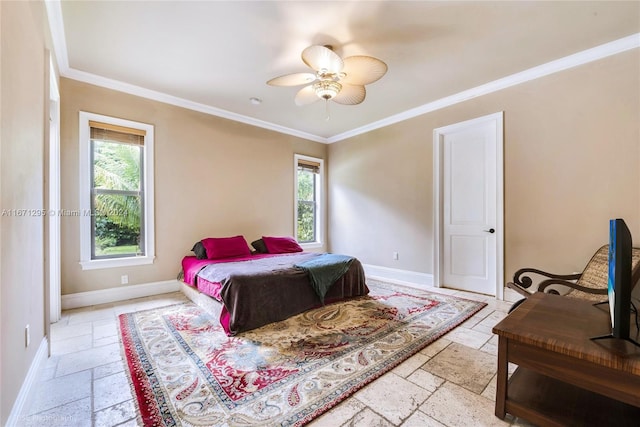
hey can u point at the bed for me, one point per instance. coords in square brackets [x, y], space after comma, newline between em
[257, 289]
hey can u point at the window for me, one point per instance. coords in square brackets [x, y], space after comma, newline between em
[308, 197]
[116, 192]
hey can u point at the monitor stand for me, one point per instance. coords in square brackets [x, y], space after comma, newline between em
[602, 337]
[611, 335]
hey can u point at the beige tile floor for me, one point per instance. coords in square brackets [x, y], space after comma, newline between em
[449, 383]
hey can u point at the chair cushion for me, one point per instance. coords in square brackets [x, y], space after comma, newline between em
[596, 274]
[575, 293]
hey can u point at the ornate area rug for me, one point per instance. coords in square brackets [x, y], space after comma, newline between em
[185, 371]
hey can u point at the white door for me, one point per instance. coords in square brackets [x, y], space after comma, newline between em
[470, 205]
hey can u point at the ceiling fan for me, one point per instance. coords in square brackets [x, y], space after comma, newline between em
[334, 78]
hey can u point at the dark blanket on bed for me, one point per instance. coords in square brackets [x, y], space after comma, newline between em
[219, 273]
[324, 270]
[267, 290]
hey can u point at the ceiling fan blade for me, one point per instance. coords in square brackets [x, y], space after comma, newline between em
[350, 95]
[362, 70]
[294, 79]
[305, 96]
[322, 58]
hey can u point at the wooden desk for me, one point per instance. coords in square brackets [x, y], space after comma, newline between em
[563, 377]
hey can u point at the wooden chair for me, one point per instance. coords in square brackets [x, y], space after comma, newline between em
[591, 284]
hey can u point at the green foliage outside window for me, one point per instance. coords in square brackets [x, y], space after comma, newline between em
[306, 206]
[117, 201]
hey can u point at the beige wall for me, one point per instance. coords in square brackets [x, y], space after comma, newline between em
[571, 149]
[24, 94]
[213, 177]
[217, 177]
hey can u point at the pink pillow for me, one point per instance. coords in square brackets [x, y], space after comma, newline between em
[281, 245]
[226, 247]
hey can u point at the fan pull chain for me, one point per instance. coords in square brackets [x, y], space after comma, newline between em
[326, 104]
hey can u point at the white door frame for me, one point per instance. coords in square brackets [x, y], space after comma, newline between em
[438, 171]
[55, 304]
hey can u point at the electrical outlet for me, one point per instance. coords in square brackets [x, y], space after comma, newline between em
[395, 256]
[27, 336]
[124, 279]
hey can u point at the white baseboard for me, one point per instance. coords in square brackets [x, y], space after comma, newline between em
[103, 296]
[16, 417]
[402, 277]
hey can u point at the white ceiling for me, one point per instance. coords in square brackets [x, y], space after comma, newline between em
[213, 56]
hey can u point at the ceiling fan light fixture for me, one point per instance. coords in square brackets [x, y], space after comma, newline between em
[334, 79]
[327, 89]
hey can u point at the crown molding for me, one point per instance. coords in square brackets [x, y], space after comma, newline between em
[180, 102]
[56, 24]
[56, 27]
[580, 58]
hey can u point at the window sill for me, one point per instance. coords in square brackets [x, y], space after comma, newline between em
[312, 245]
[96, 264]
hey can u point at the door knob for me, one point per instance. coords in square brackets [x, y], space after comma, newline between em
[491, 230]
